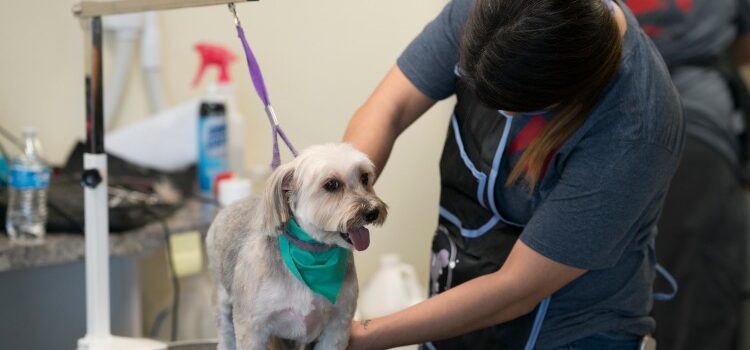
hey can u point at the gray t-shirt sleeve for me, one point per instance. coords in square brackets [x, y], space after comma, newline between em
[429, 60]
[601, 181]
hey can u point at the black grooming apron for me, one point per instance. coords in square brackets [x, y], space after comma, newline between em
[473, 239]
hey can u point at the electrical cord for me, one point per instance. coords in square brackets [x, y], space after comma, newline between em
[175, 282]
[172, 272]
[170, 264]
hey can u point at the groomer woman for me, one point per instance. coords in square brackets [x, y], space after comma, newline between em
[557, 159]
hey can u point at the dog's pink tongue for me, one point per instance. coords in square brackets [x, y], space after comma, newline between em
[360, 237]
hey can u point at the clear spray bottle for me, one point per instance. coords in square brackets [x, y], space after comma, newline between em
[221, 128]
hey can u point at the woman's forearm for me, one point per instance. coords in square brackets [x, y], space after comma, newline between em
[479, 303]
[525, 279]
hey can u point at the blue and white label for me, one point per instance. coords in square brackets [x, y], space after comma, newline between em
[212, 151]
[29, 178]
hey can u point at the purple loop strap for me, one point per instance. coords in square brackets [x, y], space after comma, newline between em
[260, 87]
[252, 64]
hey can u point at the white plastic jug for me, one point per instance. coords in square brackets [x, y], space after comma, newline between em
[394, 287]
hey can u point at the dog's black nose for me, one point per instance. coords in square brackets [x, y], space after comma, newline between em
[372, 215]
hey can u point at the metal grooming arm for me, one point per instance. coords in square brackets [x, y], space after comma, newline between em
[88, 9]
[94, 181]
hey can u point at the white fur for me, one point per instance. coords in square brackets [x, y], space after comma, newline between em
[259, 299]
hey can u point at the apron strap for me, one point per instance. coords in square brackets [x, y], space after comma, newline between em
[537, 327]
[661, 270]
[672, 282]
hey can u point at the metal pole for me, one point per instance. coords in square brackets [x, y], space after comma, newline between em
[95, 191]
[94, 90]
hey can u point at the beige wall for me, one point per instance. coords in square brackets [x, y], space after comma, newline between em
[321, 59]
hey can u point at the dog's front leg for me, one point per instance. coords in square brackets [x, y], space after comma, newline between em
[251, 337]
[224, 319]
[251, 334]
[335, 335]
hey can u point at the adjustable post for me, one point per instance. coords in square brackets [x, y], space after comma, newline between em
[95, 191]
[94, 181]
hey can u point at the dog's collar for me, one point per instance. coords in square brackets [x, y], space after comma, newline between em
[297, 236]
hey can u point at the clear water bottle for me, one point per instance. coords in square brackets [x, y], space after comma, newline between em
[27, 201]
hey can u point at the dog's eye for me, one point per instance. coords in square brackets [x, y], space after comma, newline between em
[365, 179]
[332, 185]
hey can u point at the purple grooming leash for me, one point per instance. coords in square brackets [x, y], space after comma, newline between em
[260, 87]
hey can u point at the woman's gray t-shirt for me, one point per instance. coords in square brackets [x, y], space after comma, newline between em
[597, 205]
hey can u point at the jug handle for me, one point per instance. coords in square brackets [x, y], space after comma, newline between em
[412, 286]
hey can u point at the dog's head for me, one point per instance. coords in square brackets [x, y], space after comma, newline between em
[328, 190]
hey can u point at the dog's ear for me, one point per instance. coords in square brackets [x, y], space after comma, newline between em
[274, 204]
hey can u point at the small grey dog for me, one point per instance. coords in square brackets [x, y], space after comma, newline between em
[328, 191]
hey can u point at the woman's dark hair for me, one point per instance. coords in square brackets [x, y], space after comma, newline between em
[528, 55]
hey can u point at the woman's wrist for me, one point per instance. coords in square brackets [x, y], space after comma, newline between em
[363, 336]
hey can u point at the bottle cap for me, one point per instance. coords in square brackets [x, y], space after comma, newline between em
[28, 131]
[390, 259]
[232, 190]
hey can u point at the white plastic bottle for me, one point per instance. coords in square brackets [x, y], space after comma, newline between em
[27, 203]
[236, 137]
[394, 287]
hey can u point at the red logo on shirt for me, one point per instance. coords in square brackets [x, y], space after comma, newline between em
[528, 133]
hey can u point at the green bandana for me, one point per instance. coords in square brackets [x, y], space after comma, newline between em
[319, 266]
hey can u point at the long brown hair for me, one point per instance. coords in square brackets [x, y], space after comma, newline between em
[527, 55]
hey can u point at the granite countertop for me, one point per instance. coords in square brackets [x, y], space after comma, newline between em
[59, 248]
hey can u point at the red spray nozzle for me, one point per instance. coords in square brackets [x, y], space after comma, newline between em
[212, 54]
